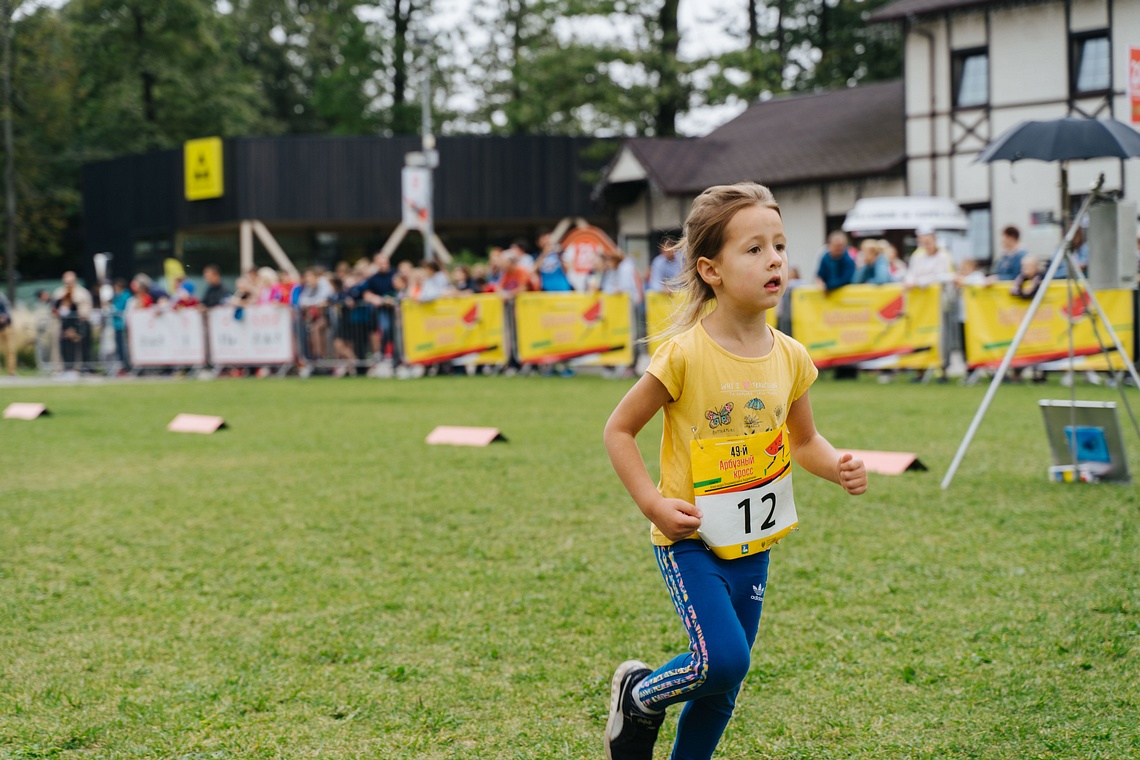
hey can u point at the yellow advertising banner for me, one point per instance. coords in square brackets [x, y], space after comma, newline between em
[659, 309]
[993, 315]
[583, 328]
[464, 330]
[862, 323]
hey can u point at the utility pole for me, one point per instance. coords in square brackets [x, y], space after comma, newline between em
[9, 162]
[431, 158]
[418, 206]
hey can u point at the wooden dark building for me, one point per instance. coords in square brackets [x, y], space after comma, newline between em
[336, 198]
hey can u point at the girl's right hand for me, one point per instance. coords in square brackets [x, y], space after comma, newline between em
[675, 518]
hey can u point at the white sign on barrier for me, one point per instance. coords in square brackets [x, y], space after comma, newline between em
[161, 338]
[251, 335]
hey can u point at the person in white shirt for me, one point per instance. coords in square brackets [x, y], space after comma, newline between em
[664, 268]
[620, 275]
[436, 285]
[316, 290]
[929, 264]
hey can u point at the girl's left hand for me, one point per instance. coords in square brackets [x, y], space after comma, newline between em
[852, 474]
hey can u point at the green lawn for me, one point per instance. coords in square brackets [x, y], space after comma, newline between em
[316, 581]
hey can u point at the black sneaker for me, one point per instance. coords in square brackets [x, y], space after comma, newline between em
[630, 732]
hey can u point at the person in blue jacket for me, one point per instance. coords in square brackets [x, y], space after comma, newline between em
[873, 268]
[1008, 266]
[836, 266]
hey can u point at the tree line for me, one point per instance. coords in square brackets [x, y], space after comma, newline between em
[95, 79]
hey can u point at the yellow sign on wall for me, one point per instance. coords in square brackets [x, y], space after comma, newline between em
[464, 330]
[202, 161]
[583, 328]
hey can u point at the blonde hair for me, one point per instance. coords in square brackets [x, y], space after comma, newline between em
[873, 245]
[703, 237]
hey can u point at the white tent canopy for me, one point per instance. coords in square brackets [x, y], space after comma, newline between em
[878, 215]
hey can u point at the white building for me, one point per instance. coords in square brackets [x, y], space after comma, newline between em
[976, 68]
[973, 69]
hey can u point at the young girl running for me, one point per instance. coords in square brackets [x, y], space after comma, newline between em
[736, 407]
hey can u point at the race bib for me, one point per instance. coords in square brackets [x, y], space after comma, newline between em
[743, 488]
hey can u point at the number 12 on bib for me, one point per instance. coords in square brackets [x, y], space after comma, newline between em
[743, 487]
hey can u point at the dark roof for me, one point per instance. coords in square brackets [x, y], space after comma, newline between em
[842, 134]
[907, 8]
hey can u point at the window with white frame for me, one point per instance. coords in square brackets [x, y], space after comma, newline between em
[979, 231]
[1090, 66]
[971, 78]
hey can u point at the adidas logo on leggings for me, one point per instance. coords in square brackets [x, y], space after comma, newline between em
[758, 593]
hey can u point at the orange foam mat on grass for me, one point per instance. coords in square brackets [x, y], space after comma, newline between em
[196, 423]
[887, 462]
[464, 436]
[24, 411]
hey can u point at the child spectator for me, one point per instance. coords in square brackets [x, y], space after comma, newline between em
[1029, 279]
[184, 295]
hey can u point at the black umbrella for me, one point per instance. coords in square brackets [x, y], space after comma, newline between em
[1064, 140]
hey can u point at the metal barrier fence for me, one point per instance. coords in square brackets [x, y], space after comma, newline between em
[73, 343]
[344, 338]
[335, 338]
[543, 329]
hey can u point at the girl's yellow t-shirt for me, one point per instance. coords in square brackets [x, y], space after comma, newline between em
[717, 394]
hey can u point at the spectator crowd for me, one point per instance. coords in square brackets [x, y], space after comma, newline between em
[877, 262]
[346, 316]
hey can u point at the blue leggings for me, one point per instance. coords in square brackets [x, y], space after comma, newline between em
[720, 602]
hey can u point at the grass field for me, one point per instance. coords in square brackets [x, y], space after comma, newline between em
[316, 581]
